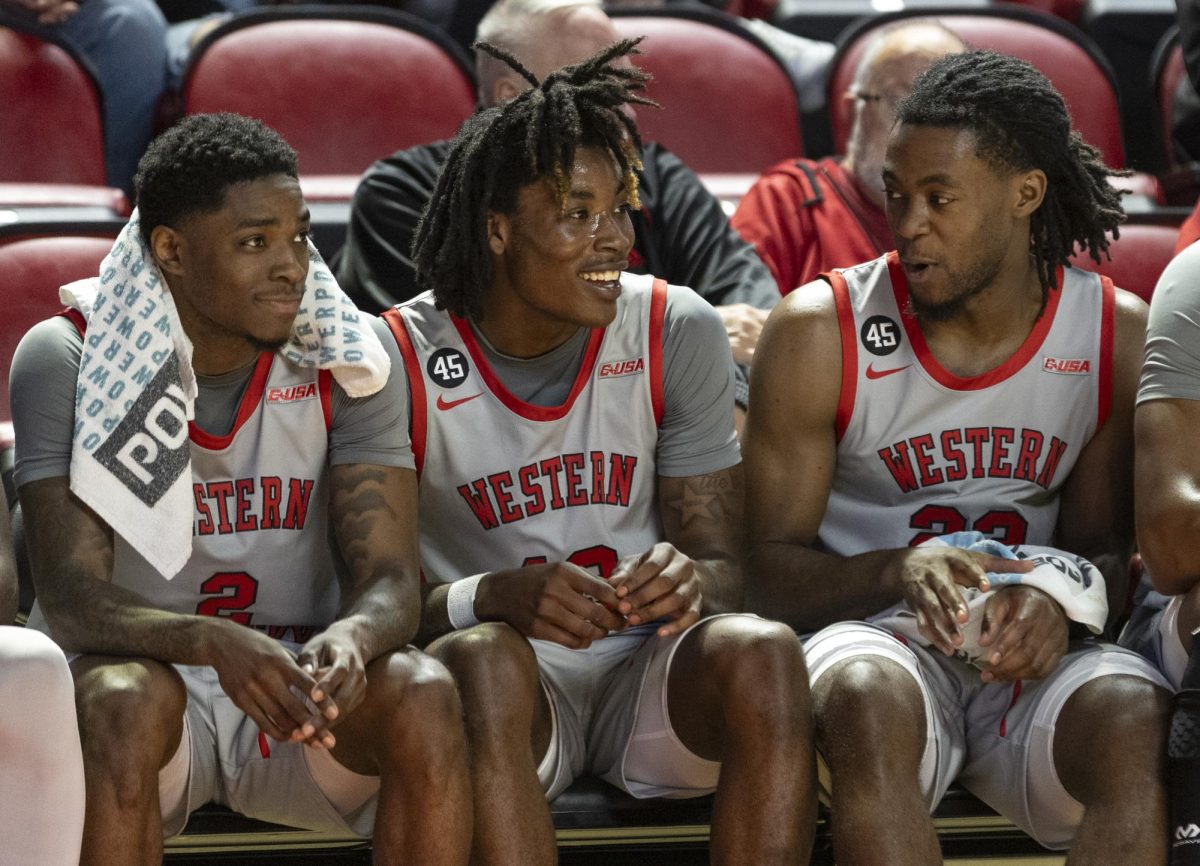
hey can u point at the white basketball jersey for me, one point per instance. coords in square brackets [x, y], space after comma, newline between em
[504, 483]
[922, 452]
[262, 553]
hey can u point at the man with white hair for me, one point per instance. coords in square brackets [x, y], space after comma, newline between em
[805, 217]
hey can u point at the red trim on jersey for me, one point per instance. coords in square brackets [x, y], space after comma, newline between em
[845, 314]
[1016, 693]
[419, 419]
[264, 747]
[512, 402]
[1107, 311]
[658, 308]
[250, 401]
[325, 389]
[940, 374]
[76, 318]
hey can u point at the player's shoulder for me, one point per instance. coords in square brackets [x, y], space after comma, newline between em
[803, 327]
[55, 337]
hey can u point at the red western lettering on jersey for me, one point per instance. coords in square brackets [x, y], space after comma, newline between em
[501, 482]
[921, 446]
[204, 526]
[951, 440]
[493, 500]
[1057, 449]
[1070, 366]
[552, 471]
[222, 492]
[977, 436]
[897, 462]
[480, 502]
[299, 489]
[1031, 447]
[620, 479]
[246, 522]
[535, 502]
[272, 488]
[573, 467]
[292, 393]
[621, 368]
[928, 460]
[1001, 466]
[250, 504]
[597, 458]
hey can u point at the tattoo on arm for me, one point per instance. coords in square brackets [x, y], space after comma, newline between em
[702, 517]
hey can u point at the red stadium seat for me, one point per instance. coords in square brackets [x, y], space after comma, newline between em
[1138, 257]
[50, 121]
[31, 271]
[728, 104]
[343, 85]
[1068, 10]
[1062, 53]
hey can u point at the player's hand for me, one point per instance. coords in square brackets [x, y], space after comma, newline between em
[262, 678]
[1025, 633]
[336, 663]
[661, 583]
[743, 324]
[554, 601]
[930, 579]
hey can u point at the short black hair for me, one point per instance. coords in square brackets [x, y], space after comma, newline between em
[188, 168]
[502, 149]
[1020, 123]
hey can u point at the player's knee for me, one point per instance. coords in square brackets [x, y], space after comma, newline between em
[423, 721]
[491, 662]
[760, 662]
[868, 699]
[129, 709]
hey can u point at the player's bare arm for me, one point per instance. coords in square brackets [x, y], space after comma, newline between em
[790, 451]
[1168, 493]
[71, 549]
[696, 571]
[373, 509]
[1096, 513]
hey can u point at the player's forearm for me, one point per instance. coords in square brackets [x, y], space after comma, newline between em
[722, 585]
[87, 615]
[379, 617]
[809, 589]
[435, 619]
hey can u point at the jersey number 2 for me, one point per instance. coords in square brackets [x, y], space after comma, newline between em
[233, 592]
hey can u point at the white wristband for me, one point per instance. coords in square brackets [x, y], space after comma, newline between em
[460, 601]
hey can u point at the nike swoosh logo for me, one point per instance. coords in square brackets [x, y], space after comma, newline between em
[444, 404]
[872, 373]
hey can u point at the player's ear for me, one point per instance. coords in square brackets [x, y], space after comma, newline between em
[165, 244]
[1030, 191]
[498, 226]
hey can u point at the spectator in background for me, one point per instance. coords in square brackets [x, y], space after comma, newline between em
[125, 42]
[682, 235]
[805, 217]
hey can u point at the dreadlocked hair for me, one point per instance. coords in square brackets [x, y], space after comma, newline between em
[1020, 123]
[500, 150]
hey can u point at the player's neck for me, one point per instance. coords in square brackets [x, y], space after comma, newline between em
[990, 328]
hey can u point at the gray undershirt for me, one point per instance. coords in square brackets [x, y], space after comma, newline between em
[1172, 366]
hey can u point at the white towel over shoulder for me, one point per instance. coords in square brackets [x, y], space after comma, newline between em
[136, 391]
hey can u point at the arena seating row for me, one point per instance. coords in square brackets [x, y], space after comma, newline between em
[375, 80]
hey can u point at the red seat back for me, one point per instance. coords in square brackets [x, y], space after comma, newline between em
[1138, 257]
[1063, 54]
[31, 271]
[50, 126]
[728, 105]
[343, 91]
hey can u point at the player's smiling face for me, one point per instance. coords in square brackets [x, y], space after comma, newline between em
[556, 265]
[959, 223]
